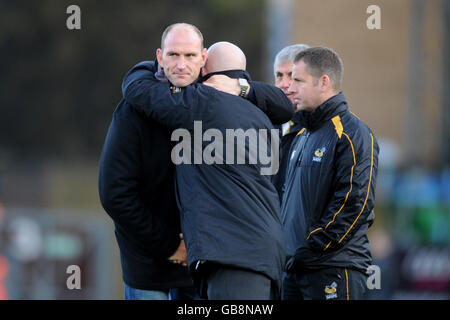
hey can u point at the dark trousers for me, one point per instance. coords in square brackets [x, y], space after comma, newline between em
[224, 283]
[324, 284]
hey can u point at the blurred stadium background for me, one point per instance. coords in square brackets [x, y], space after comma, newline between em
[59, 88]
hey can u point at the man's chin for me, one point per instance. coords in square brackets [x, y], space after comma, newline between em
[180, 82]
[297, 106]
[305, 108]
[291, 99]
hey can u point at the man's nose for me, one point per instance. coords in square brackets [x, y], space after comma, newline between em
[285, 82]
[291, 88]
[181, 63]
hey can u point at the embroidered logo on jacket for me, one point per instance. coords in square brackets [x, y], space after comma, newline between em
[175, 89]
[318, 154]
[331, 291]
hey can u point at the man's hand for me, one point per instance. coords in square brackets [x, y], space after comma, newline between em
[223, 83]
[180, 256]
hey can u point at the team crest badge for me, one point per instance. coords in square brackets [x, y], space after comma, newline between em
[175, 89]
[318, 154]
[331, 291]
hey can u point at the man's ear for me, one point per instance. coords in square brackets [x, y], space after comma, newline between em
[159, 54]
[204, 55]
[325, 83]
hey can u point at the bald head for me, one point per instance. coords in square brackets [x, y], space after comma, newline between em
[222, 56]
[181, 27]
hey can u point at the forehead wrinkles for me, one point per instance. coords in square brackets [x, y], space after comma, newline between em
[284, 67]
[183, 39]
[182, 48]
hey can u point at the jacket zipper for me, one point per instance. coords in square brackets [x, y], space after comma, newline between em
[291, 166]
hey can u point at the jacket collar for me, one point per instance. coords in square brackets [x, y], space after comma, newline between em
[313, 120]
[230, 73]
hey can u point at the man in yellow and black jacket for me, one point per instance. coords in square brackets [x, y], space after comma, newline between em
[329, 184]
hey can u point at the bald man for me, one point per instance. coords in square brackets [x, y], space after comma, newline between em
[225, 60]
[229, 208]
[222, 56]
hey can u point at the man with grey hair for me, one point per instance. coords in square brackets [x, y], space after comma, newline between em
[329, 193]
[282, 68]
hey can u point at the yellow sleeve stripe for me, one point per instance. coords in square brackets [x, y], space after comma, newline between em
[338, 125]
[312, 232]
[355, 115]
[346, 283]
[351, 182]
[367, 196]
[301, 131]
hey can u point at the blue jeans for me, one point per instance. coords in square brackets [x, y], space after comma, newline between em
[175, 294]
[139, 294]
[184, 294]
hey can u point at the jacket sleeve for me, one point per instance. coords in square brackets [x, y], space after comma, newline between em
[352, 200]
[146, 94]
[273, 102]
[119, 180]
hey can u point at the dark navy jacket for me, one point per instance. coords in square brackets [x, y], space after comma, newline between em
[136, 190]
[328, 193]
[285, 146]
[230, 213]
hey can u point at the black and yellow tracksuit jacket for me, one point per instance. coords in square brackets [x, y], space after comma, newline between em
[328, 190]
